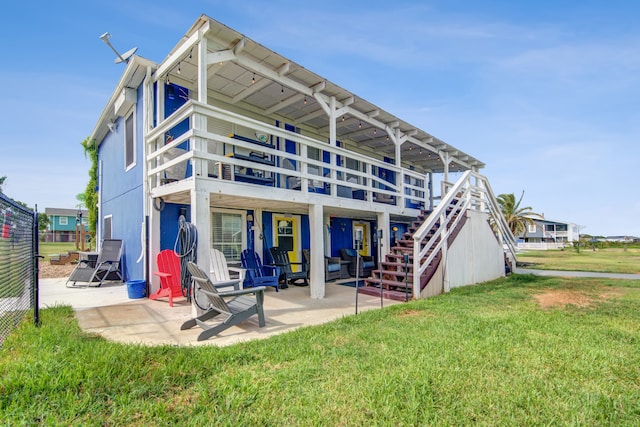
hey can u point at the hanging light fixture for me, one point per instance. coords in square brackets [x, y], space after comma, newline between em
[305, 100]
[282, 90]
[253, 79]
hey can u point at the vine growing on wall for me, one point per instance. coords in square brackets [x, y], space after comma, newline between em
[91, 193]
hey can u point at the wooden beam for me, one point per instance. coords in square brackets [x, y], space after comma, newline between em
[255, 87]
[220, 56]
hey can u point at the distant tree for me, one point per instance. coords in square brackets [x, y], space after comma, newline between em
[2, 178]
[517, 217]
[43, 221]
[90, 193]
[81, 198]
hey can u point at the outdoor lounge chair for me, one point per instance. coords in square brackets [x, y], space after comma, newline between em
[106, 266]
[332, 266]
[170, 276]
[281, 259]
[256, 273]
[234, 306]
[220, 272]
[366, 263]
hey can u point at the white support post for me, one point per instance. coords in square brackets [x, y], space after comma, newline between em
[444, 156]
[430, 189]
[202, 69]
[258, 237]
[332, 121]
[160, 101]
[333, 157]
[154, 246]
[384, 225]
[317, 286]
[200, 167]
[147, 125]
[201, 219]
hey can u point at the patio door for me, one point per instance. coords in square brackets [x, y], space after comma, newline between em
[286, 234]
[363, 245]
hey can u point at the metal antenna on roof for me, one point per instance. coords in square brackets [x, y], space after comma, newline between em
[120, 58]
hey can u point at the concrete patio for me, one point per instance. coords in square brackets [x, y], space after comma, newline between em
[108, 312]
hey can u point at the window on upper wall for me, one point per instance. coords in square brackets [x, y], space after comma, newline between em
[129, 142]
[106, 227]
[532, 228]
[64, 220]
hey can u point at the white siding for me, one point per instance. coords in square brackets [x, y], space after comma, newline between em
[475, 256]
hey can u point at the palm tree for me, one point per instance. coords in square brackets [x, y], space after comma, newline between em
[517, 218]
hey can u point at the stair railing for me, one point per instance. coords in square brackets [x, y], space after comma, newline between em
[471, 192]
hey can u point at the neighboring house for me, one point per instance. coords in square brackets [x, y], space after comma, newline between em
[63, 222]
[256, 151]
[622, 239]
[548, 234]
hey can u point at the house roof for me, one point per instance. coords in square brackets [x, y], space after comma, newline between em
[252, 78]
[131, 78]
[64, 212]
[547, 220]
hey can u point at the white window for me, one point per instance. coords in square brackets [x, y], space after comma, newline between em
[228, 233]
[64, 220]
[532, 228]
[129, 142]
[106, 227]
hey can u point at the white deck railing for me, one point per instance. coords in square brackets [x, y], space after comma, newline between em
[315, 166]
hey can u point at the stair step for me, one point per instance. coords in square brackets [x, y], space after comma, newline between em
[387, 283]
[398, 266]
[391, 276]
[392, 295]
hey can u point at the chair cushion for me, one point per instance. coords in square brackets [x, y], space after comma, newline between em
[350, 252]
[333, 267]
[368, 264]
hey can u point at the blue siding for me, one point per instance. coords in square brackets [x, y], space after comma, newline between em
[341, 234]
[122, 198]
[169, 225]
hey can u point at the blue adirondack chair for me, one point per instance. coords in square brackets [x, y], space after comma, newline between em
[256, 273]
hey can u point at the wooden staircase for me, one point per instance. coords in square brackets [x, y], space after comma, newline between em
[396, 283]
[63, 259]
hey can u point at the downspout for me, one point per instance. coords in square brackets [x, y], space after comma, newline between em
[99, 219]
[146, 125]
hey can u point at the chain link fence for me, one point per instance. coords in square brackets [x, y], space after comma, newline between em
[18, 273]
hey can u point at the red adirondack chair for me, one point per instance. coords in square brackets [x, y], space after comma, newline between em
[170, 277]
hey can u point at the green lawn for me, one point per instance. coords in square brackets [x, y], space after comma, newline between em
[611, 260]
[47, 249]
[482, 355]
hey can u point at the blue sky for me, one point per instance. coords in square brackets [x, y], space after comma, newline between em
[547, 94]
